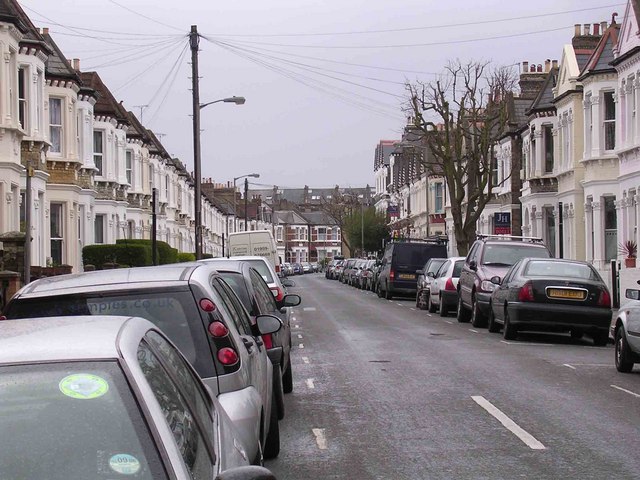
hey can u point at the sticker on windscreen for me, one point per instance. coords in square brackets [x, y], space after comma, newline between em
[124, 464]
[83, 386]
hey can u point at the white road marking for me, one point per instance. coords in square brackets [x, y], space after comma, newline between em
[528, 344]
[626, 391]
[447, 321]
[301, 346]
[472, 330]
[293, 318]
[321, 440]
[569, 366]
[400, 304]
[310, 383]
[299, 336]
[305, 359]
[429, 315]
[297, 326]
[309, 309]
[390, 301]
[528, 439]
[412, 309]
[591, 364]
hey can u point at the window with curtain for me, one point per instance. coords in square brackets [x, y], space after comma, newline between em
[22, 97]
[99, 228]
[129, 166]
[56, 222]
[55, 124]
[439, 197]
[547, 134]
[98, 150]
[609, 121]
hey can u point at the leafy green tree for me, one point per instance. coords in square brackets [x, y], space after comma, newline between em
[367, 220]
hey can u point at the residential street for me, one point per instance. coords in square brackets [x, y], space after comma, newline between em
[384, 391]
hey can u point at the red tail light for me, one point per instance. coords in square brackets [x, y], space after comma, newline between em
[392, 275]
[218, 329]
[277, 268]
[449, 285]
[277, 293]
[207, 305]
[604, 300]
[268, 341]
[526, 293]
[227, 356]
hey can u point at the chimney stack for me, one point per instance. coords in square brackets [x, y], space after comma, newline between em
[539, 70]
[596, 29]
[554, 64]
[587, 29]
[603, 26]
[76, 64]
[576, 32]
[547, 65]
[525, 67]
[45, 31]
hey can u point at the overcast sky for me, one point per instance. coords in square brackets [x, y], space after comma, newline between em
[323, 79]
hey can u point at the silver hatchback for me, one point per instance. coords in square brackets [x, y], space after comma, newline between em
[104, 397]
[200, 313]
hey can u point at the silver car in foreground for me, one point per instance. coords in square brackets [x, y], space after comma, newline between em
[105, 397]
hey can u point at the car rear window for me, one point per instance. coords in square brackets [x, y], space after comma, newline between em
[434, 265]
[560, 269]
[174, 312]
[73, 420]
[506, 255]
[262, 269]
[457, 268]
[416, 255]
[236, 281]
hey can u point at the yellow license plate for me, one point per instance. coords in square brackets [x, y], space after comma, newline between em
[571, 294]
[407, 276]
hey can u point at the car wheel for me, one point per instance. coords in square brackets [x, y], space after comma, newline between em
[272, 443]
[431, 306]
[478, 320]
[510, 332]
[600, 339]
[278, 391]
[387, 293]
[463, 315]
[287, 379]
[378, 291]
[443, 310]
[492, 325]
[624, 363]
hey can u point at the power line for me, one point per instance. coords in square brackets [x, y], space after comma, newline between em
[175, 70]
[135, 56]
[145, 16]
[406, 45]
[428, 27]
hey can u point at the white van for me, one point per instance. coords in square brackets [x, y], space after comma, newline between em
[255, 243]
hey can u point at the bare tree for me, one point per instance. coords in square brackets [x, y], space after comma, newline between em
[460, 117]
[340, 207]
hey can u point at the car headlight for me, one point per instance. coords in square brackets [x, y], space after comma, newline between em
[487, 286]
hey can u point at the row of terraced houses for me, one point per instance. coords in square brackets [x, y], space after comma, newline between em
[567, 167]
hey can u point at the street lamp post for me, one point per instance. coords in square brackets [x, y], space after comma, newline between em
[235, 216]
[197, 159]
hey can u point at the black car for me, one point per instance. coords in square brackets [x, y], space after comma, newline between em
[551, 295]
[401, 261]
[425, 275]
[254, 293]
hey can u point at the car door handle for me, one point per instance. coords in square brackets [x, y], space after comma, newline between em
[248, 344]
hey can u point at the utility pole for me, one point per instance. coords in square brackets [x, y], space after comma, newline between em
[154, 238]
[194, 42]
[246, 194]
[27, 227]
[141, 107]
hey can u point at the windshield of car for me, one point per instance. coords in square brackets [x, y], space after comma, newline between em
[237, 283]
[560, 269]
[505, 255]
[434, 265]
[457, 268]
[75, 420]
[168, 310]
[262, 269]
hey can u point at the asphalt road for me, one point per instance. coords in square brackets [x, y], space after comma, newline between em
[385, 391]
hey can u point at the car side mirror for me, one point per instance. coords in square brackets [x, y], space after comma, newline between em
[632, 293]
[252, 472]
[291, 300]
[496, 280]
[288, 283]
[419, 272]
[268, 324]
[473, 265]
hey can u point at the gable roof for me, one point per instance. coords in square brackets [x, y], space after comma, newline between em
[106, 104]
[289, 217]
[57, 66]
[601, 58]
[319, 218]
[11, 12]
[544, 99]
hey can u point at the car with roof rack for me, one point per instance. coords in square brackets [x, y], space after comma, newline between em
[193, 305]
[490, 256]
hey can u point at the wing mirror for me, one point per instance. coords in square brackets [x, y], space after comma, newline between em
[496, 280]
[268, 324]
[632, 293]
[288, 283]
[246, 473]
[291, 300]
[473, 265]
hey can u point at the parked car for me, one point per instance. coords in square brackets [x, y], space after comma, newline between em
[551, 295]
[400, 262]
[193, 305]
[425, 277]
[315, 267]
[287, 269]
[346, 269]
[336, 274]
[297, 269]
[104, 397]
[489, 256]
[255, 243]
[328, 271]
[256, 297]
[443, 294]
[266, 270]
[366, 274]
[306, 267]
[626, 332]
[353, 276]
